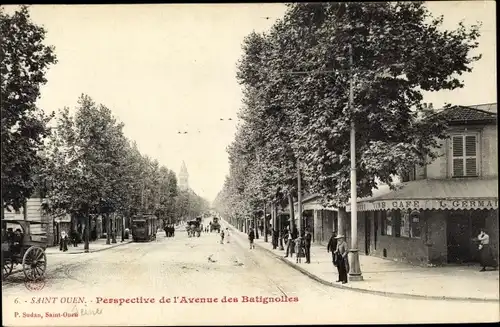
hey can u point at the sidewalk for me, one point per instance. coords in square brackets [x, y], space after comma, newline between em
[95, 246]
[391, 278]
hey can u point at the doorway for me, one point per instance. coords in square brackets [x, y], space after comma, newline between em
[461, 229]
[367, 233]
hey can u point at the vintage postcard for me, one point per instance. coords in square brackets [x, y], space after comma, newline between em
[249, 164]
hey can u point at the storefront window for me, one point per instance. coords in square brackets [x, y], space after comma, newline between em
[396, 221]
[387, 223]
[405, 224]
[410, 224]
[415, 231]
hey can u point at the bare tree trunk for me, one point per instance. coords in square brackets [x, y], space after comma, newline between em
[265, 224]
[87, 232]
[108, 228]
[292, 212]
[113, 228]
[256, 222]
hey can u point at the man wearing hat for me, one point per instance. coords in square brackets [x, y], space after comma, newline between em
[342, 262]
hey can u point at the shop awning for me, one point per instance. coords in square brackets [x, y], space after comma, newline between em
[428, 194]
[312, 202]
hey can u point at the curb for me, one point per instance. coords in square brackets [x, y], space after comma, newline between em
[366, 291]
[98, 250]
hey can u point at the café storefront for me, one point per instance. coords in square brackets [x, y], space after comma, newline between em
[430, 222]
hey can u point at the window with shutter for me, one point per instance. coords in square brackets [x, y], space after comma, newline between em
[464, 155]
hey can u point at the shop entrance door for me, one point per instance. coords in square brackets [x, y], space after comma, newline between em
[461, 229]
[367, 234]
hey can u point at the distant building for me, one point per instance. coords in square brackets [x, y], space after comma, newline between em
[184, 178]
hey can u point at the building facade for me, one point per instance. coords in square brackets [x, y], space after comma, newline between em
[438, 210]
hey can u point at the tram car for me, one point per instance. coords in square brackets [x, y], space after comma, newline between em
[144, 228]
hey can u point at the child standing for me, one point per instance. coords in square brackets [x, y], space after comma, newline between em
[222, 237]
[299, 249]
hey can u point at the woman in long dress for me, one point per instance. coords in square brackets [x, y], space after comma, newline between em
[228, 236]
[485, 253]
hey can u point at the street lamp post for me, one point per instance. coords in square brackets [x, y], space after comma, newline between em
[299, 200]
[355, 267]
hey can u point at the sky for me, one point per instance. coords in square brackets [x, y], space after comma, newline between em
[169, 68]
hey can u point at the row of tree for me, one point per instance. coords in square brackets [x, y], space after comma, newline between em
[84, 166]
[299, 102]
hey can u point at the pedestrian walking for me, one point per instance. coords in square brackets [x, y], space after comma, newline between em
[275, 239]
[221, 237]
[299, 249]
[63, 242]
[342, 261]
[74, 238]
[307, 246]
[228, 236]
[486, 257]
[332, 246]
[251, 237]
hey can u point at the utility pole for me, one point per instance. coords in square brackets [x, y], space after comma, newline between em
[299, 199]
[355, 267]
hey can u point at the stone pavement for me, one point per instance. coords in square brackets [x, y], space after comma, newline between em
[391, 278]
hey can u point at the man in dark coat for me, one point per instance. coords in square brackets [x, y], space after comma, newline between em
[307, 245]
[342, 260]
[332, 246]
[275, 239]
[251, 237]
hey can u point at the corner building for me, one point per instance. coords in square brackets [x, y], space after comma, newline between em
[439, 209]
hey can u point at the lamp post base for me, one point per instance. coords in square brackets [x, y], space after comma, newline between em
[354, 266]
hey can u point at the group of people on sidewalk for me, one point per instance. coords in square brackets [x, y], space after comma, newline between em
[65, 239]
[298, 244]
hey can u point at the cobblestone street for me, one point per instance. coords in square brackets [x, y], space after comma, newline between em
[204, 268]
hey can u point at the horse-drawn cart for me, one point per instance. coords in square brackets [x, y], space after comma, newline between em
[18, 247]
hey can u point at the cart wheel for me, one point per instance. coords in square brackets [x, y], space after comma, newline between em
[7, 268]
[34, 263]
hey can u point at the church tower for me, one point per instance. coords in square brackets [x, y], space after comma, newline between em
[183, 177]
